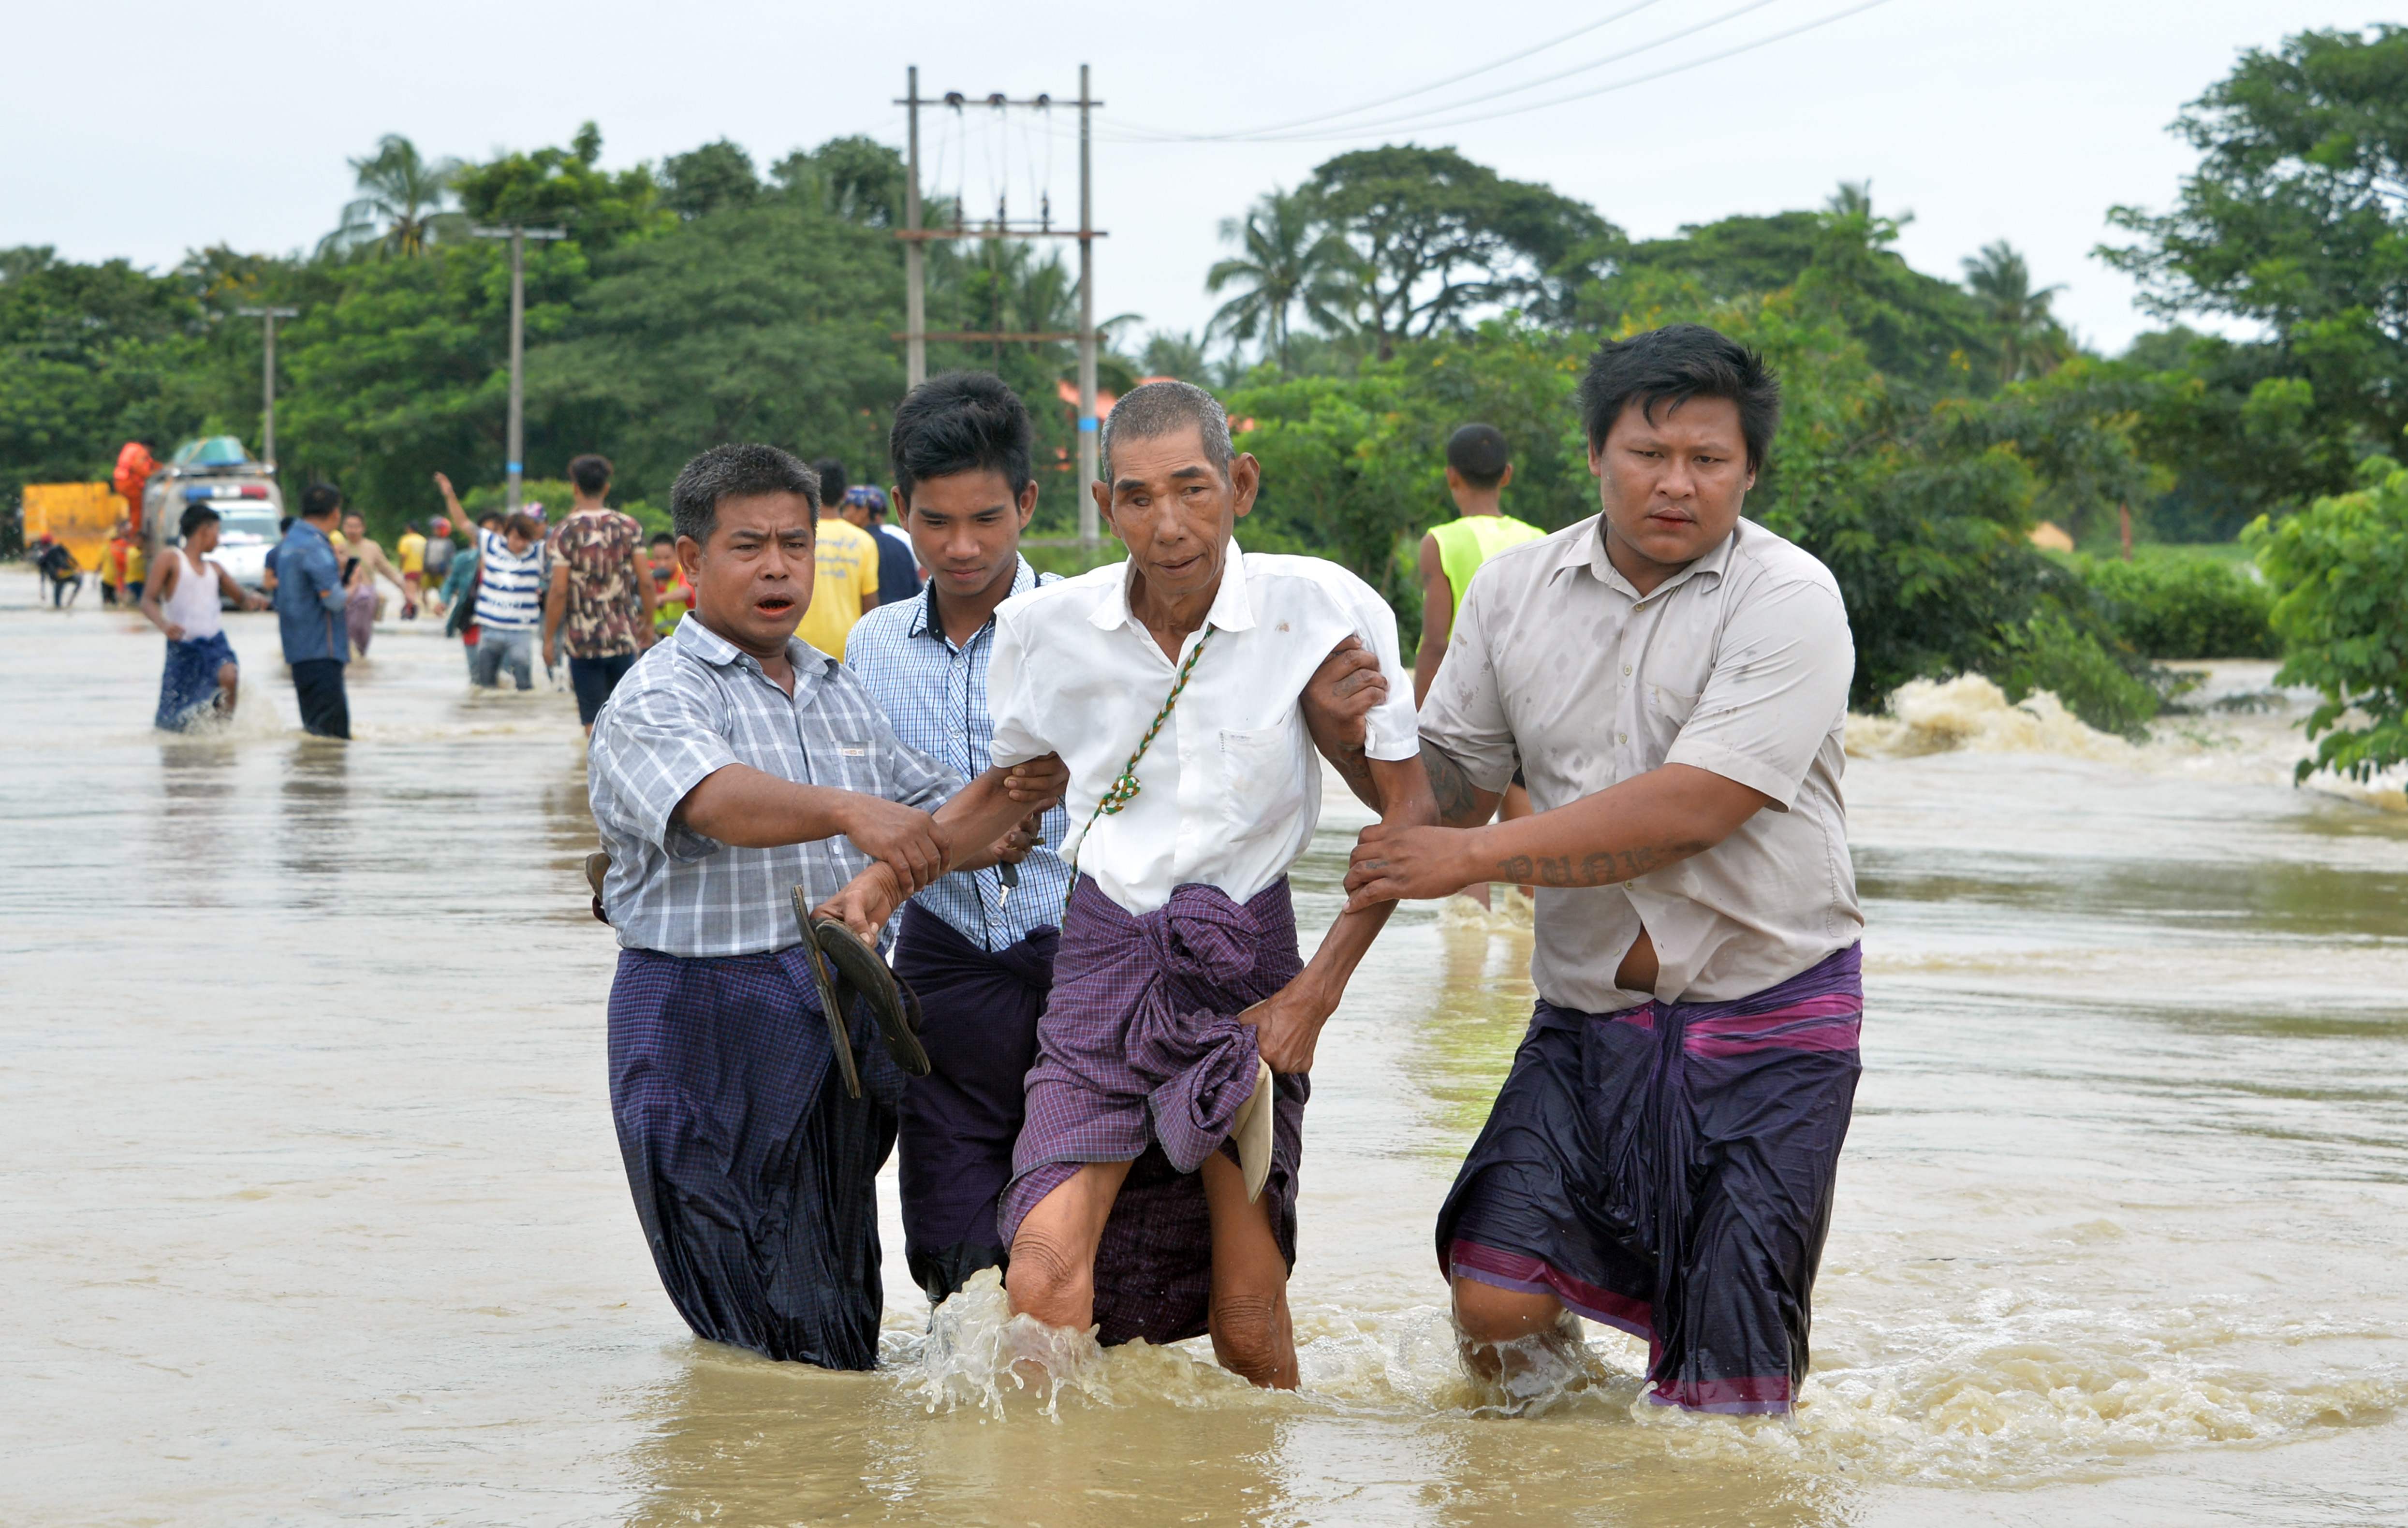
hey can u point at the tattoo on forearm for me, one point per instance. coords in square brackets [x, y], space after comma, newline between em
[1604, 868]
[1458, 805]
[1354, 766]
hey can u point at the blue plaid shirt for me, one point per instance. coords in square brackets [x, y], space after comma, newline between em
[934, 694]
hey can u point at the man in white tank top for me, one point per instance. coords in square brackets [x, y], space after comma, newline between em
[182, 600]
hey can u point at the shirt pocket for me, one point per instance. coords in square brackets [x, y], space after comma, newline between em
[1671, 706]
[1262, 785]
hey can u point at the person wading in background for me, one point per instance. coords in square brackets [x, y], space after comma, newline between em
[1674, 681]
[365, 563]
[201, 672]
[846, 558]
[309, 613]
[1478, 469]
[510, 602]
[601, 592]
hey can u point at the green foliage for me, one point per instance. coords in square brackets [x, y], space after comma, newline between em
[715, 176]
[2294, 222]
[2185, 607]
[564, 188]
[2053, 651]
[402, 203]
[2340, 568]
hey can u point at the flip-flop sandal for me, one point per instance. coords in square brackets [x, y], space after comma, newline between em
[862, 969]
[597, 866]
[834, 999]
[1252, 1131]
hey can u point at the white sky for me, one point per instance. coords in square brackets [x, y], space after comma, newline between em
[153, 129]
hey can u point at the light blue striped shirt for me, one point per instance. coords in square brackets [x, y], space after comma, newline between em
[509, 584]
[934, 694]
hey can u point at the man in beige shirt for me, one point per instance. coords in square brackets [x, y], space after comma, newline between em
[1674, 682]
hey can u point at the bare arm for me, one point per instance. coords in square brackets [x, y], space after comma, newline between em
[972, 830]
[160, 583]
[645, 591]
[1460, 803]
[1288, 1024]
[1643, 823]
[1438, 620]
[243, 598]
[555, 607]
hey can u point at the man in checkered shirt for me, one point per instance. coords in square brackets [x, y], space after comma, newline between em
[733, 764]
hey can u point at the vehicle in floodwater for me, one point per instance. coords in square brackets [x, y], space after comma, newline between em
[218, 471]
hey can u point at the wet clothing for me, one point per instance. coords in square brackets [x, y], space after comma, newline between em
[936, 695]
[309, 596]
[360, 613]
[509, 584]
[844, 564]
[960, 1122]
[753, 1169]
[499, 646]
[1140, 1058]
[1668, 1170]
[599, 618]
[193, 603]
[188, 686]
[1467, 541]
[318, 685]
[1738, 665]
[750, 1164]
[1230, 788]
[593, 678]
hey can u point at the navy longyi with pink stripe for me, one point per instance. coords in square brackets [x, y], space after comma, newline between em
[1668, 1170]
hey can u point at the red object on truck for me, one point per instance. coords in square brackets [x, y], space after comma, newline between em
[134, 465]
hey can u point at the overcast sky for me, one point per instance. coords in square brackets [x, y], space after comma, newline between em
[144, 129]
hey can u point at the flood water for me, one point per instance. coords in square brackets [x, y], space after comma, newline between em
[313, 1211]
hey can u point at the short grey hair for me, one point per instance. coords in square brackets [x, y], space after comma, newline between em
[1162, 409]
[735, 472]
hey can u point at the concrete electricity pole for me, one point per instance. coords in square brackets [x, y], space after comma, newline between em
[1089, 532]
[915, 255]
[518, 235]
[267, 377]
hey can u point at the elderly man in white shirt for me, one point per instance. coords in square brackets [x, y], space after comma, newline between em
[1172, 685]
[1674, 682]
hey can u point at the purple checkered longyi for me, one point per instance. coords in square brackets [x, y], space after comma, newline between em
[1140, 1059]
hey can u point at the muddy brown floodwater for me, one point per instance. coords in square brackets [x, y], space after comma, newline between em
[313, 1210]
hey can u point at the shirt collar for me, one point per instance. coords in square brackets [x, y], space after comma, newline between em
[698, 640]
[923, 609]
[1233, 606]
[1589, 551]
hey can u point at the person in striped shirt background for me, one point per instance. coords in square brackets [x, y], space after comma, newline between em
[509, 601]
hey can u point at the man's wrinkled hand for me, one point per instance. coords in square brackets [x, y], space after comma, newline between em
[1392, 863]
[904, 838]
[1013, 846]
[1038, 784]
[1342, 693]
[1287, 1025]
[866, 902]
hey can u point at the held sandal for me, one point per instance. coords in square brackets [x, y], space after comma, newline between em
[834, 999]
[894, 1004]
[1252, 1131]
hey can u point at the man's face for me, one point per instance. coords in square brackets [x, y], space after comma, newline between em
[858, 515]
[354, 528]
[664, 555]
[1174, 510]
[1672, 487]
[753, 582]
[203, 536]
[965, 529]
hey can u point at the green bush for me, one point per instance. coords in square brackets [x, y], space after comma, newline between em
[2186, 607]
[2051, 652]
[2340, 569]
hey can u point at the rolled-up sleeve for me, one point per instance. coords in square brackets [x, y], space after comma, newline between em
[1778, 687]
[1464, 717]
[1391, 732]
[1017, 738]
[652, 747]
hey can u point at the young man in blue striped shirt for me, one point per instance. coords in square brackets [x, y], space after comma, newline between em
[976, 947]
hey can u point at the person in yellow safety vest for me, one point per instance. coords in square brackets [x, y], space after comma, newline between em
[1478, 467]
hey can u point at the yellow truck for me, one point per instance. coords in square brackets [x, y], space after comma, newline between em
[81, 514]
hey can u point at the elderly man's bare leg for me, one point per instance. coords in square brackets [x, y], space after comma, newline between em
[1252, 1334]
[1051, 1275]
[1495, 1326]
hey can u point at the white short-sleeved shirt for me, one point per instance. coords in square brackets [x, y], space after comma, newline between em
[1739, 663]
[1230, 789]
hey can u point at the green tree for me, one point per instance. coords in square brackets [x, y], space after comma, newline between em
[565, 188]
[402, 205]
[2297, 220]
[1289, 259]
[2031, 342]
[1437, 238]
[2339, 567]
[714, 176]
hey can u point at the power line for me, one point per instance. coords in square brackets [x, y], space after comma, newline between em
[1375, 104]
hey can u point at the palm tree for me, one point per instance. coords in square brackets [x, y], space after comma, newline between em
[402, 205]
[1291, 259]
[2031, 343]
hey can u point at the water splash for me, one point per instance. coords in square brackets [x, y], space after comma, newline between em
[1972, 714]
[976, 1348]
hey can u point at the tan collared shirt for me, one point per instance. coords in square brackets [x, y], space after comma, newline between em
[1739, 664]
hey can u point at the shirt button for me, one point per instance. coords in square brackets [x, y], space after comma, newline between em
[1623, 736]
[1625, 671]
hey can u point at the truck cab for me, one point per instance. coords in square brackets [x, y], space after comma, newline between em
[217, 471]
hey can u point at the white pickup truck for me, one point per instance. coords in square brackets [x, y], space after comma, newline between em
[217, 471]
